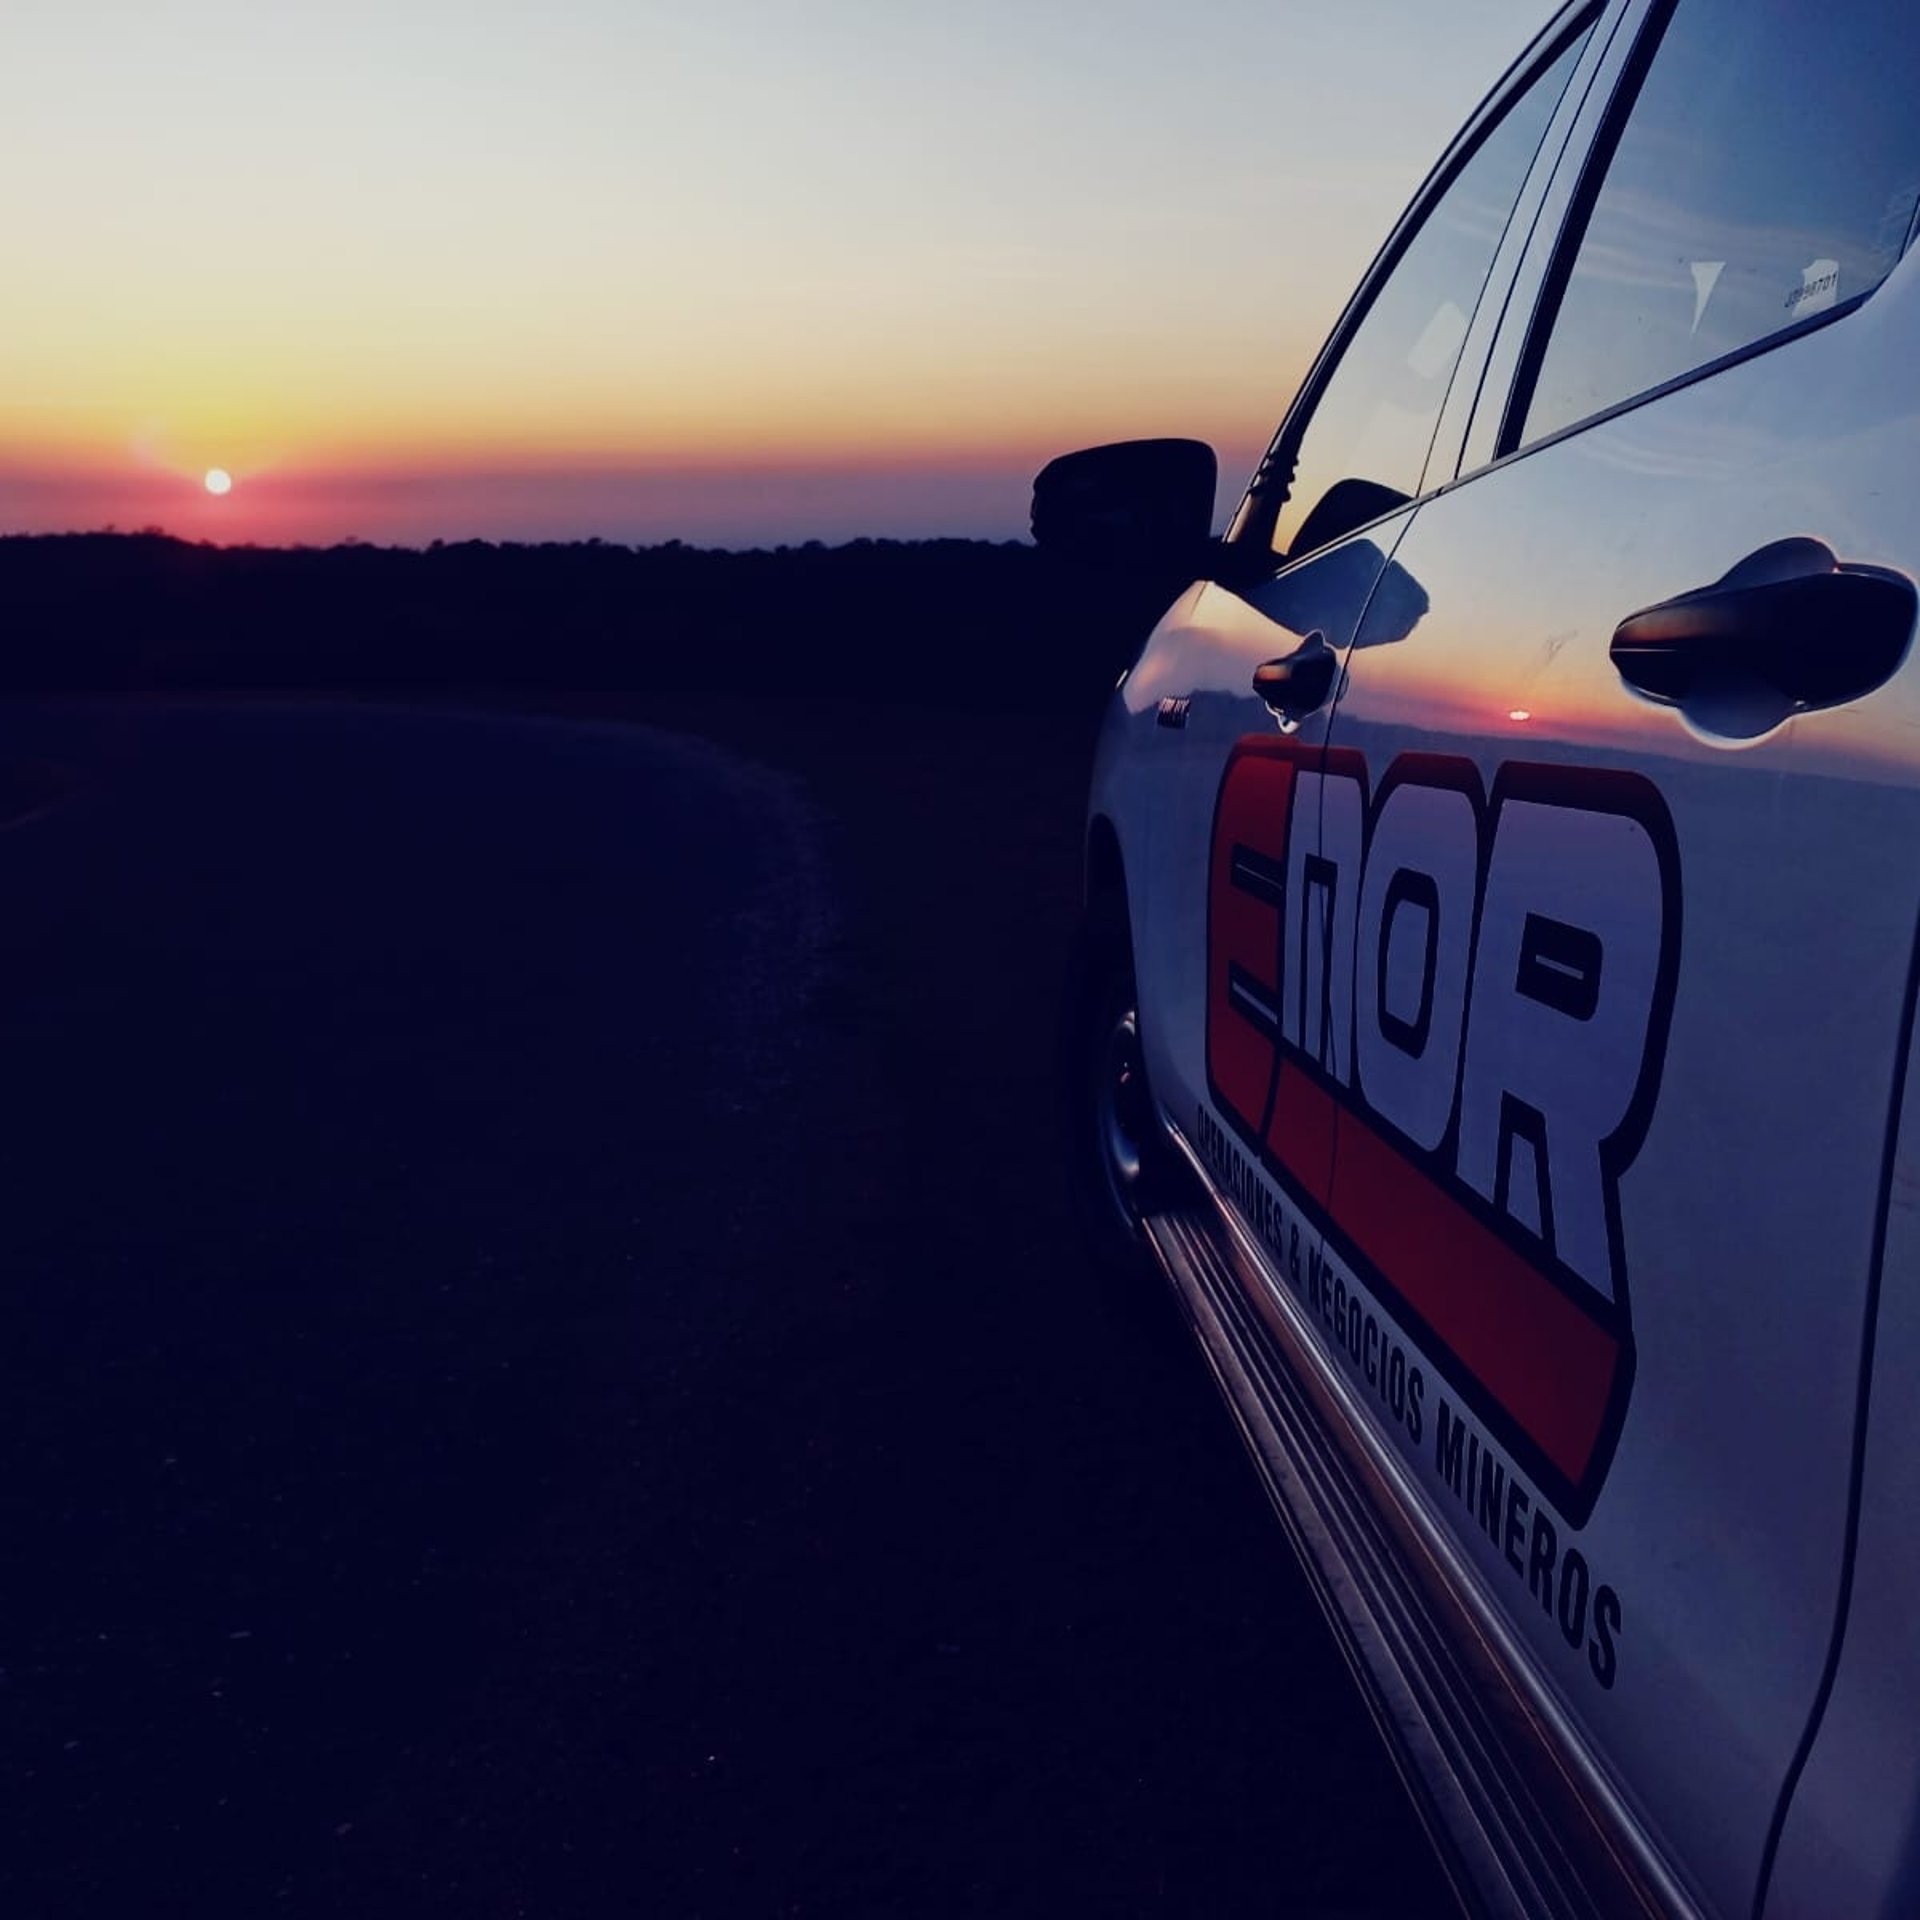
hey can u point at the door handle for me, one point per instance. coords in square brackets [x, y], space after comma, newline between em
[1814, 630]
[1294, 685]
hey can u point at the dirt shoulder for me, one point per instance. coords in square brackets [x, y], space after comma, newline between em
[964, 1600]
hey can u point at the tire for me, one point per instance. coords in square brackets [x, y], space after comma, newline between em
[1120, 1163]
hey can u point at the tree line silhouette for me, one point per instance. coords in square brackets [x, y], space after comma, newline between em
[965, 623]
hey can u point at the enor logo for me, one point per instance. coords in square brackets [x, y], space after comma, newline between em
[1476, 989]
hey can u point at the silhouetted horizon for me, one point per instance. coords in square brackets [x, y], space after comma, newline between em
[954, 622]
[440, 543]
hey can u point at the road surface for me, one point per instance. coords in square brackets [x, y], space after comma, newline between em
[544, 1370]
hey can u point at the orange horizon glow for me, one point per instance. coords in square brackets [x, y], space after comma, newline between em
[915, 493]
[704, 504]
[366, 430]
[359, 250]
[322, 486]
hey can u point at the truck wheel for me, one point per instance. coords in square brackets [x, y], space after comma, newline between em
[1120, 1164]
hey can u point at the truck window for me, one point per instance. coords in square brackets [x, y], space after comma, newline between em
[1766, 174]
[1371, 426]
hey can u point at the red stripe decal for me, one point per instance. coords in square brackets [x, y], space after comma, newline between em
[1534, 1349]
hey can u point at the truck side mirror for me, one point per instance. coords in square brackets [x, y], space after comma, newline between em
[1143, 505]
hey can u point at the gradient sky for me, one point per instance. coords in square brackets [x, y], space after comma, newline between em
[737, 272]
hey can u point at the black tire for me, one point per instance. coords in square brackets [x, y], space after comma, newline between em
[1120, 1163]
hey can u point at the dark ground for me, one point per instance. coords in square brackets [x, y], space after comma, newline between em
[545, 1370]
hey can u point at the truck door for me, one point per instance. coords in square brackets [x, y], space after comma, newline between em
[1239, 680]
[1622, 862]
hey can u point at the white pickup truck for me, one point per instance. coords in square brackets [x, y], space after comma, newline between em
[1496, 1007]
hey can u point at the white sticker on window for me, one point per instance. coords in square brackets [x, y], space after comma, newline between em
[1439, 344]
[1706, 276]
[1819, 288]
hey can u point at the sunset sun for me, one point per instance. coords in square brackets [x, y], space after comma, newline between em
[219, 480]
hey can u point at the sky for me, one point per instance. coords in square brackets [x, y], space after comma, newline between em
[730, 271]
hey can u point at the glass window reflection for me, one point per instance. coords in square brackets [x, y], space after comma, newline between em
[1374, 420]
[1768, 172]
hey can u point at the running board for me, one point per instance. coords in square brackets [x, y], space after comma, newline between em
[1523, 1824]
